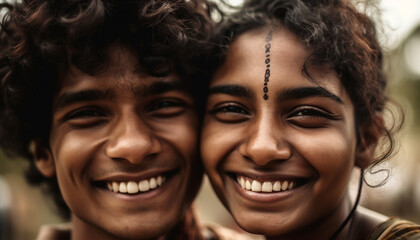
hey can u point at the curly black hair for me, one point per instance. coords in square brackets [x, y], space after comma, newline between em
[40, 39]
[338, 35]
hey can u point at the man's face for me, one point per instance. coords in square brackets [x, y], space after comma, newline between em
[124, 145]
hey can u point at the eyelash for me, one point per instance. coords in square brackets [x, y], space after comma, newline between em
[167, 108]
[311, 117]
[84, 113]
[95, 113]
[230, 113]
[165, 104]
[303, 116]
[311, 112]
[230, 109]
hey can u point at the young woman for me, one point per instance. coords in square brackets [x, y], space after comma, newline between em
[97, 97]
[294, 106]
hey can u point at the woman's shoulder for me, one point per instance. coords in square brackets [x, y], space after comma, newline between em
[396, 229]
[371, 225]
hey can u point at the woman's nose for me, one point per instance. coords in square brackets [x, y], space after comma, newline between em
[265, 143]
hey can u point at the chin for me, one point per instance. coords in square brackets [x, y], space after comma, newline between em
[260, 228]
[271, 230]
[140, 227]
[263, 224]
[144, 232]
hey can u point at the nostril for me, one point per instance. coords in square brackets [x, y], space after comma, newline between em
[133, 149]
[263, 154]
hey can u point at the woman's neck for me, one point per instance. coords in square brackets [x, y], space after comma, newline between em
[324, 228]
[359, 227]
[364, 222]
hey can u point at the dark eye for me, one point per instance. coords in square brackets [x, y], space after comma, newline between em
[230, 113]
[309, 112]
[167, 108]
[164, 104]
[85, 117]
[310, 117]
[84, 113]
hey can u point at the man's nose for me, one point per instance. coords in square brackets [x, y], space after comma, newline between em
[133, 140]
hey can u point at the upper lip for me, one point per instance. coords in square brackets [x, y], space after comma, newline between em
[119, 176]
[281, 170]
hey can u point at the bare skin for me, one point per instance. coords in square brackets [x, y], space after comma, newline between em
[123, 146]
[302, 138]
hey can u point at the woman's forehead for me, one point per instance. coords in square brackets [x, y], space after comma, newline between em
[250, 63]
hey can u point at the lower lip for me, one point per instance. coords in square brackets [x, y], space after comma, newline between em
[262, 196]
[143, 196]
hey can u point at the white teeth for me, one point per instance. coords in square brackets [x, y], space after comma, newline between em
[241, 182]
[248, 185]
[284, 185]
[153, 183]
[267, 186]
[256, 186]
[132, 187]
[115, 186]
[144, 186]
[290, 185]
[123, 187]
[277, 186]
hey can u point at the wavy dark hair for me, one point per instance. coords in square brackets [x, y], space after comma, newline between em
[40, 39]
[339, 36]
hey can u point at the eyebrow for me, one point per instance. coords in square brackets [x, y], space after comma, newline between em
[231, 89]
[305, 92]
[69, 98]
[292, 93]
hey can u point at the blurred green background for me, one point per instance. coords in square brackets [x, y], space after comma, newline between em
[23, 209]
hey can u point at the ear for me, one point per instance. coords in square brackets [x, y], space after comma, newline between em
[43, 158]
[369, 137]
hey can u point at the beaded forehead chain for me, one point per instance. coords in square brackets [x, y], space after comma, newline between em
[267, 62]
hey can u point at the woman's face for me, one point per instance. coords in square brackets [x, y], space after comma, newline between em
[282, 164]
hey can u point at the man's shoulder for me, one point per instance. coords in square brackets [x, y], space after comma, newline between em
[55, 232]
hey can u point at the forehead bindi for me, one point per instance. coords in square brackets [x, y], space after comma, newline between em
[263, 49]
[267, 61]
[262, 54]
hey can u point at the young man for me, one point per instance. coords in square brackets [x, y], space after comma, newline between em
[97, 95]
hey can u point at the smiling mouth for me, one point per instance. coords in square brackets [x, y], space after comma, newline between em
[135, 187]
[254, 185]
